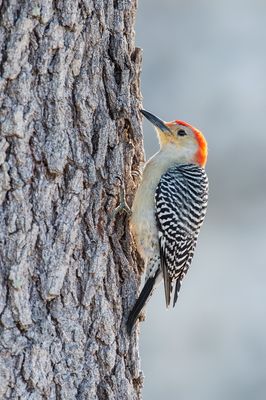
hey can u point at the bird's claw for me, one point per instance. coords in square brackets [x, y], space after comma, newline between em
[123, 206]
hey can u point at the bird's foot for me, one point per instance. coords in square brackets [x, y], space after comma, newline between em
[123, 206]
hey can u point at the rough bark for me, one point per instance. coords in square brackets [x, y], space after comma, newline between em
[69, 95]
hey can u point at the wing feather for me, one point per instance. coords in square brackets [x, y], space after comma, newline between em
[181, 202]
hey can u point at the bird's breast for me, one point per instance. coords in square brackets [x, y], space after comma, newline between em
[143, 221]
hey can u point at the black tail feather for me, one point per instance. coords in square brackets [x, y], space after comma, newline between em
[166, 278]
[140, 303]
[177, 288]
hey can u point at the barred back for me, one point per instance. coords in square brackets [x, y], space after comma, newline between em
[181, 201]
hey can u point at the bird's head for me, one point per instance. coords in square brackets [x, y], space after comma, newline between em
[182, 136]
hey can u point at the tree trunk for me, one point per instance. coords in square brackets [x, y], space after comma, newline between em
[69, 93]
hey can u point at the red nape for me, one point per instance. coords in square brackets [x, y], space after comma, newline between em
[202, 153]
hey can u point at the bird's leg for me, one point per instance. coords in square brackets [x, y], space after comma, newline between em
[123, 206]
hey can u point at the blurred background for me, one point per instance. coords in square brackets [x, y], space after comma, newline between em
[205, 62]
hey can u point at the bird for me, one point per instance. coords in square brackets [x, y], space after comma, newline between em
[169, 208]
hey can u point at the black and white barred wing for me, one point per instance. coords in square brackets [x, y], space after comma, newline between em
[181, 201]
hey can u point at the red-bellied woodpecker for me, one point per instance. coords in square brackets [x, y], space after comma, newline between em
[169, 208]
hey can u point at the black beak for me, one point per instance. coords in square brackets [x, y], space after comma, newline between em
[155, 121]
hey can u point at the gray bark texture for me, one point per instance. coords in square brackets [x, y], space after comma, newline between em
[69, 273]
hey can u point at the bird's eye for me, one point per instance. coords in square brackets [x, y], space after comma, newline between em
[181, 132]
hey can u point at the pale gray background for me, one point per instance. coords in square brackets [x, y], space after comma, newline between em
[205, 62]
